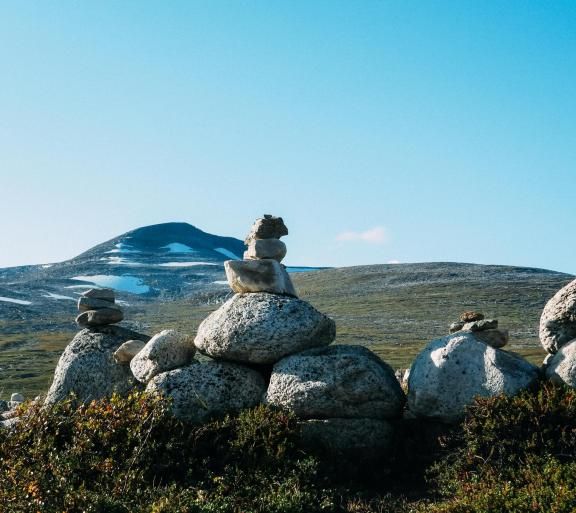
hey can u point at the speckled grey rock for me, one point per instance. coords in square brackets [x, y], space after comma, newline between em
[204, 390]
[87, 365]
[101, 317]
[262, 328]
[265, 249]
[494, 338]
[9, 423]
[558, 320]
[451, 371]
[128, 350]
[91, 303]
[338, 381]
[561, 367]
[347, 435]
[246, 276]
[484, 324]
[165, 351]
[267, 227]
[105, 294]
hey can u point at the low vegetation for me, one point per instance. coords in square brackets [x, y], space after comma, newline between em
[130, 455]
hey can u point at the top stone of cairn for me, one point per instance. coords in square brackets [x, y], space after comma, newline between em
[267, 227]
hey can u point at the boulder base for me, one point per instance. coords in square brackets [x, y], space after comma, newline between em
[263, 328]
[558, 321]
[561, 367]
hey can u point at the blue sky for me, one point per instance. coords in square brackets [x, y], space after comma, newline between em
[381, 131]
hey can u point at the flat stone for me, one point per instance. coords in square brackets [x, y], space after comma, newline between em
[561, 367]
[263, 328]
[558, 321]
[104, 294]
[471, 316]
[340, 381]
[451, 371]
[201, 391]
[87, 367]
[273, 249]
[17, 398]
[456, 326]
[91, 303]
[245, 276]
[267, 227]
[485, 324]
[165, 351]
[99, 317]
[347, 435]
[494, 338]
[128, 350]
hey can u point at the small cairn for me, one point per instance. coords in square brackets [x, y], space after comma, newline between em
[98, 307]
[261, 270]
[483, 329]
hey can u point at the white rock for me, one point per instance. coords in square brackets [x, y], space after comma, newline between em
[258, 276]
[558, 320]
[266, 249]
[450, 372]
[338, 381]
[561, 368]
[17, 398]
[165, 351]
[87, 367]
[128, 350]
[204, 390]
[262, 328]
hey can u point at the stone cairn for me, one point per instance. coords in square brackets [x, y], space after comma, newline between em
[483, 329]
[98, 307]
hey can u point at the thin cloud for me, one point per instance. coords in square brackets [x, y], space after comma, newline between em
[376, 235]
[393, 262]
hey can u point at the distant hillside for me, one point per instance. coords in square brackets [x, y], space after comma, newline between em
[395, 309]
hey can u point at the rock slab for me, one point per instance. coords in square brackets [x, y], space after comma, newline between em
[87, 367]
[558, 320]
[201, 391]
[561, 367]
[263, 328]
[451, 371]
[245, 276]
[340, 381]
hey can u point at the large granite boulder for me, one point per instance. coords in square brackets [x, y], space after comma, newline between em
[336, 382]
[451, 371]
[558, 320]
[87, 366]
[263, 328]
[355, 436]
[203, 390]
[561, 367]
[165, 351]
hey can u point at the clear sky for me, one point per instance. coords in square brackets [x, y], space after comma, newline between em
[380, 130]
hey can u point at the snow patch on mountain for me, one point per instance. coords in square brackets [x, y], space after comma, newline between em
[229, 254]
[131, 284]
[16, 301]
[186, 264]
[51, 295]
[177, 247]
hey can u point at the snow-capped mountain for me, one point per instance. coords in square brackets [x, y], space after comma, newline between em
[164, 260]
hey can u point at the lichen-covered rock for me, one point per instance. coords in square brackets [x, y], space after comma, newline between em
[558, 320]
[481, 325]
[165, 351]
[561, 367]
[267, 227]
[494, 338]
[336, 382]
[91, 303]
[204, 390]
[102, 317]
[87, 367]
[471, 316]
[451, 371]
[347, 435]
[262, 328]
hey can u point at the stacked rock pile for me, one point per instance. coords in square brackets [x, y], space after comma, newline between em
[451, 371]
[558, 336]
[98, 307]
[484, 329]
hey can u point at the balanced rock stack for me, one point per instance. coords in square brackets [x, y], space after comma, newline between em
[98, 307]
[483, 329]
[261, 270]
[451, 371]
